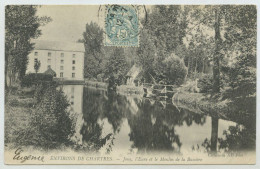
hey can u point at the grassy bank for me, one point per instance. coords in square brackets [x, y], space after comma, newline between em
[38, 117]
[18, 112]
[200, 103]
[241, 111]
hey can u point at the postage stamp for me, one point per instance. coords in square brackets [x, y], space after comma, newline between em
[121, 25]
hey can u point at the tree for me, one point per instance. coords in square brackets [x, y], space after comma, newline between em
[94, 55]
[37, 65]
[171, 70]
[116, 67]
[21, 25]
[211, 17]
[167, 30]
[160, 36]
[240, 44]
[234, 30]
[216, 57]
[51, 125]
[146, 54]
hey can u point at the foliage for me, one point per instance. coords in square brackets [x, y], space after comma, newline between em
[13, 102]
[21, 25]
[116, 67]
[35, 78]
[93, 40]
[167, 31]
[205, 83]
[40, 89]
[171, 70]
[51, 125]
[146, 54]
[237, 138]
[240, 74]
[37, 65]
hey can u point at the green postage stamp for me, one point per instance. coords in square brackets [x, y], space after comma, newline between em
[121, 25]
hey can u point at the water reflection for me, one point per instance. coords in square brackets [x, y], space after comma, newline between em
[109, 122]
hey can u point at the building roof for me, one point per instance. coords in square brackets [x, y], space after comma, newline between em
[50, 72]
[58, 46]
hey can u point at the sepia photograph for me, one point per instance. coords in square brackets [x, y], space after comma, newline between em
[130, 84]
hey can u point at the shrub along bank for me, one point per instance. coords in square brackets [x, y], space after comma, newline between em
[39, 119]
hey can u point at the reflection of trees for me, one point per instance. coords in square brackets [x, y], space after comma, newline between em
[151, 123]
[244, 111]
[152, 128]
[238, 138]
[114, 110]
[214, 134]
[91, 130]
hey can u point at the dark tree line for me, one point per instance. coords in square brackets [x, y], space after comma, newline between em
[218, 40]
[21, 25]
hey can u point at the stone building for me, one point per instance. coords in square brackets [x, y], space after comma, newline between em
[66, 59]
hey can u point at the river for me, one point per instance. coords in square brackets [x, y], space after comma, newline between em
[130, 124]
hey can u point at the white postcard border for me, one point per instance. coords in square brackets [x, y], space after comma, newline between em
[85, 2]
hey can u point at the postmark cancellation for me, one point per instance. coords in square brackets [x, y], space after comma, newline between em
[121, 26]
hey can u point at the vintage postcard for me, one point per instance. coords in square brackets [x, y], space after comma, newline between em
[130, 84]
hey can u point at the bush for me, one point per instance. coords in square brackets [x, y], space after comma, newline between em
[13, 102]
[100, 77]
[51, 125]
[205, 83]
[171, 70]
[41, 89]
[35, 78]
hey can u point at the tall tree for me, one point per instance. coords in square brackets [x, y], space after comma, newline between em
[161, 35]
[216, 57]
[146, 54]
[37, 65]
[93, 41]
[21, 25]
[167, 30]
[116, 67]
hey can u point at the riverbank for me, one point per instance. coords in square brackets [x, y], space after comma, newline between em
[32, 114]
[196, 102]
[201, 103]
[69, 82]
[18, 112]
[96, 84]
[123, 89]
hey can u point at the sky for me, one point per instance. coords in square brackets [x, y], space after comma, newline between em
[68, 21]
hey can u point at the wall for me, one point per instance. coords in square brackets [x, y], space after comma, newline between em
[56, 63]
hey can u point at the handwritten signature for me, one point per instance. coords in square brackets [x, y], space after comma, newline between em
[22, 158]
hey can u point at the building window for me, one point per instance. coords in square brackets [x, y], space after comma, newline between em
[49, 54]
[49, 66]
[35, 53]
[35, 60]
[73, 67]
[73, 55]
[62, 55]
[61, 61]
[61, 74]
[73, 62]
[49, 60]
[73, 74]
[61, 67]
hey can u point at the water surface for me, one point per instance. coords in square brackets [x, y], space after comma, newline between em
[115, 123]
